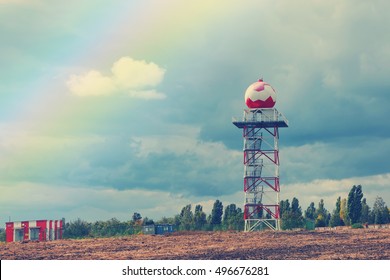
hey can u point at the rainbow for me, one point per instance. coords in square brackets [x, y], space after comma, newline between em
[43, 117]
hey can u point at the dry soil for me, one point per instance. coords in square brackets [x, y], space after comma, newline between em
[362, 244]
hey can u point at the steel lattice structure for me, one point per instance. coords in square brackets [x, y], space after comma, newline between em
[261, 167]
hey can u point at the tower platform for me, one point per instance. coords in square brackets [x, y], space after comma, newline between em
[265, 118]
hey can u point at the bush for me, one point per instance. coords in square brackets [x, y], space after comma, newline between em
[309, 224]
[357, 225]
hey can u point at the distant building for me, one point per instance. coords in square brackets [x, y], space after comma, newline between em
[157, 229]
[41, 230]
[148, 229]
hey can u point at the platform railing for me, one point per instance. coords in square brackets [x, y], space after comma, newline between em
[262, 115]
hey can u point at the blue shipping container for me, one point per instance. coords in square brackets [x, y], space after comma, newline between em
[161, 229]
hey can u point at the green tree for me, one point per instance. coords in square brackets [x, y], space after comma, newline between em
[146, 221]
[291, 216]
[354, 204]
[199, 218]
[295, 208]
[165, 220]
[284, 207]
[177, 220]
[335, 219]
[77, 229]
[238, 223]
[344, 212]
[99, 229]
[388, 214]
[186, 218]
[228, 215]
[310, 212]
[321, 215]
[136, 217]
[209, 220]
[2, 235]
[115, 227]
[380, 211]
[365, 216]
[216, 214]
[233, 218]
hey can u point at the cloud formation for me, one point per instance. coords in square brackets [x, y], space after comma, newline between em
[327, 62]
[136, 78]
[90, 84]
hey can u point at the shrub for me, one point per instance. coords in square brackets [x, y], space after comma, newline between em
[357, 225]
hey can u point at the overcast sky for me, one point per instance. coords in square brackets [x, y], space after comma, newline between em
[114, 107]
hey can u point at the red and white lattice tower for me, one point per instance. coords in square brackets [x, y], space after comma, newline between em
[260, 125]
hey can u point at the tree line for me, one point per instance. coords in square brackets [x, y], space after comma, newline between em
[230, 218]
[350, 211]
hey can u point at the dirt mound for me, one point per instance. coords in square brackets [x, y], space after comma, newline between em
[344, 244]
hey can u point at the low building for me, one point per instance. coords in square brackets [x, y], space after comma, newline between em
[148, 229]
[162, 229]
[41, 230]
[158, 229]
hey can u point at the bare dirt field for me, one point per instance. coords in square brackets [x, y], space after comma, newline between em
[362, 244]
